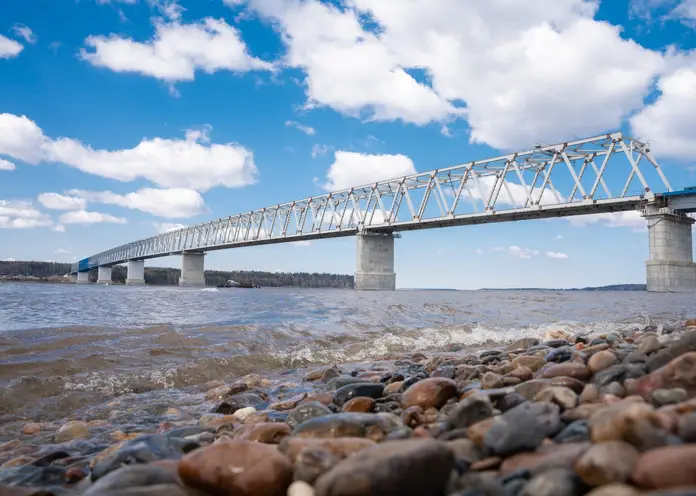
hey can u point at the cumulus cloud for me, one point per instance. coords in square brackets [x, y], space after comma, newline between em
[9, 48]
[308, 130]
[24, 32]
[632, 219]
[170, 203]
[426, 61]
[553, 254]
[669, 123]
[165, 227]
[87, 218]
[56, 201]
[176, 51]
[357, 169]
[191, 163]
[6, 165]
[19, 214]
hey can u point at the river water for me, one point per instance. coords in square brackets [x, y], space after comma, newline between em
[68, 351]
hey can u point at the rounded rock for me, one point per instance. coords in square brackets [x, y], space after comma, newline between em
[666, 467]
[72, 430]
[31, 429]
[566, 369]
[242, 468]
[562, 396]
[607, 463]
[300, 488]
[433, 392]
[361, 404]
[601, 360]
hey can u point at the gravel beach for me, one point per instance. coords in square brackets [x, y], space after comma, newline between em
[604, 414]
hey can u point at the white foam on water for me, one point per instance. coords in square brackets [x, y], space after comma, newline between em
[210, 290]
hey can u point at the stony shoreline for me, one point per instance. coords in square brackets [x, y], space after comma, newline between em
[603, 414]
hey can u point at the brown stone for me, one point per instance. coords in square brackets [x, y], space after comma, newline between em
[289, 403]
[582, 412]
[533, 363]
[522, 373]
[567, 369]
[531, 388]
[477, 431]
[649, 344]
[465, 449]
[341, 447]
[615, 490]
[323, 398]
[220, 421]
[591, 350]
[679, 373]
[590, 394]
[562, 396]
[570, 382]
[601, 360]
[222, 392]
[359, 404]
[31, 429]
[72, 430]
[239, 468]
[612, 422]
[671, 466]
[491, 380]
[267, 432]
[18, 462]
[607, 463]
[392, 388]
[545, 457]
[432, 392]
[406, 468]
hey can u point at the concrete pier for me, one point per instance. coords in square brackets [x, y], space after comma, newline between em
[73, 277]
[136, 272]
[375, 268]
[104, 275]
[670, 268]
[192, 267]
[83, 278]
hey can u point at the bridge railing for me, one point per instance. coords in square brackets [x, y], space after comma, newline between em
[607, 168]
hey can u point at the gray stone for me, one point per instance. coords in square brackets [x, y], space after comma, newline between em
[470, 410]
[132, 476]
[350, 391]
[554, 482]
[306, 411]
[523, 428]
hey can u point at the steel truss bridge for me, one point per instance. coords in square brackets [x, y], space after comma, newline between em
[607, 173]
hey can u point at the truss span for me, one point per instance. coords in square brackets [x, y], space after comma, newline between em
[605, 173]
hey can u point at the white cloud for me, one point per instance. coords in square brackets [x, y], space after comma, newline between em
[176, 50]
[318, 150]
[192, 163]
[558, 236]
[308, 130]
[21, 215]
[683, 10]
[9, 259]
[517, 252]
[170, 203]
[6, 165]
[58, 228]
[165, 227]
[669, 123]
[357, 169]
[61, 251]
[24, 32]
[553, 254]
[55, 201]
[631, 218]
[9, 48]
[423, 61]
[302, 243]
[84, 217]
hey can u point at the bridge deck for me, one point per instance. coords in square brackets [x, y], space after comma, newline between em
[606, 173]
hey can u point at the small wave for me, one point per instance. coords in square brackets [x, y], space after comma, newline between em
[210, 290]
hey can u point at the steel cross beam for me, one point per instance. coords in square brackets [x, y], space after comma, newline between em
[599, 174]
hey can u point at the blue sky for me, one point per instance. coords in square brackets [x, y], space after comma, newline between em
[122, 118]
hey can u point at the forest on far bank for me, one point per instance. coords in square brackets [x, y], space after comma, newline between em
[54, 271]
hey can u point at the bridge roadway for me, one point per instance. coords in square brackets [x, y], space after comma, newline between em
[608, 173]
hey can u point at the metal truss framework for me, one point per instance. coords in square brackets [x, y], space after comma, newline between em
[599, 174]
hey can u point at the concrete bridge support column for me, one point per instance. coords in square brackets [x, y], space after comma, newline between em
[192, 267]
[670, 268]
[73, 277]
[375, 270]
[104, 275]
[135, 274]
[83, 278]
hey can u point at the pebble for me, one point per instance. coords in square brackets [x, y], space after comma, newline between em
[313, 462]
[412, 467]
[610, 423]
[666, 467]
[350, 391]
[132, 477]
[600, 361]
[522, 428]
[544, 458]
[554, 482]
[72, 430]
[264, 432]
[341, 447]
[287, 404]
[300, 488]
[566, 369]
[306, 411]
[469, 411]
[31, 429]
[346, 424]
[491, 380]
[661, 397]
[360, 404]
[561, 396]
[533, 363]
[240, 468]
[522, 344]
[433, 392]
[606, 463]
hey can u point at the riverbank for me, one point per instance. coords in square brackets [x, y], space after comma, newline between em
[601, 414]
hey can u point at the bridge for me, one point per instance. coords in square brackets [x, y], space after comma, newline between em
[607, 173]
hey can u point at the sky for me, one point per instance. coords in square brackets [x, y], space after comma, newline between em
[120, 119]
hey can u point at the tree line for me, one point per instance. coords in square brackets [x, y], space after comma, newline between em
[170, 276]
